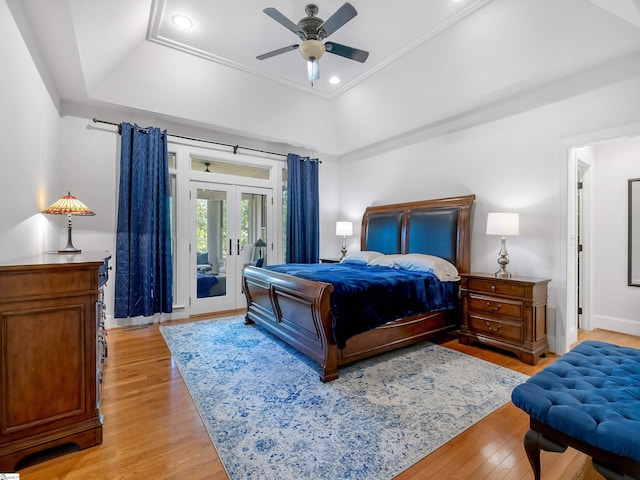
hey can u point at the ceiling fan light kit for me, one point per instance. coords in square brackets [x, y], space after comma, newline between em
[311, 49]
[312, 30]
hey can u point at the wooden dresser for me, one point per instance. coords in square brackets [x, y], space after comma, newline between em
[52, 347]
[507, 313]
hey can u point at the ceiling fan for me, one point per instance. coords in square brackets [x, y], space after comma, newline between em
[312, 30]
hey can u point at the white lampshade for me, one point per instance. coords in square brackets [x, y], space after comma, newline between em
[344, 229]
[501, 223]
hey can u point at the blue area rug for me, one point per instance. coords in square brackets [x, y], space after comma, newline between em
[270, 417]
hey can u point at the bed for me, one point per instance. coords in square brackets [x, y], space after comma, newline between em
[298, 310]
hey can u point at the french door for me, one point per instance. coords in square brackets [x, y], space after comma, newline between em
[231, 228]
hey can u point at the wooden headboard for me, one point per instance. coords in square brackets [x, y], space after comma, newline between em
[440, 227]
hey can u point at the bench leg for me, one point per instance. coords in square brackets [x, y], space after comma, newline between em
[532, 447]
[533, 443]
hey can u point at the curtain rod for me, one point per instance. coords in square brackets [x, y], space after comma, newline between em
[235, 147]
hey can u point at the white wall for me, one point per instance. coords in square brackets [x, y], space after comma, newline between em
[511, 164]
[30, 158]
[615, 304]
[329, 207]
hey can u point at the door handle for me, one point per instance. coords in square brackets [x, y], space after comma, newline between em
[238, 247]
[230, 247]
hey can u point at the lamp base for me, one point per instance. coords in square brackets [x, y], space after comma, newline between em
[70, 250]
[503, 274]
[503, 261]
[343, 250]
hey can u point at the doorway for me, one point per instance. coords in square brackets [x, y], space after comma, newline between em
[566, 326]
[584, 159]
[231, 228]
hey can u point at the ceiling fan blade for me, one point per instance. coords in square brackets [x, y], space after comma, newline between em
[284, 21]
[277, 52]
[347, 52]
[345, 13]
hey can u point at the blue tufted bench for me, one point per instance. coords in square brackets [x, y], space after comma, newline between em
[589, 399]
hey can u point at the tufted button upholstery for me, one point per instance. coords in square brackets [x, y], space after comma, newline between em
[592, 394]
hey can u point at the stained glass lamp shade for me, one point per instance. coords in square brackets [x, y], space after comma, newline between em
[68, 205]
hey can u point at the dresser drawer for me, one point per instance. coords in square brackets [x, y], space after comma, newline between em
[498, 288]
[496, 328]
[495, 306]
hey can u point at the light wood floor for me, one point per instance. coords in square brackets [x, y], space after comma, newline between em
[153, 431]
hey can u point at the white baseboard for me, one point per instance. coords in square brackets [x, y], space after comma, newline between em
[621, 325]
[111, 322]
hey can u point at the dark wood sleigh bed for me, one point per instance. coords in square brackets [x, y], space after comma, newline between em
[297, 310]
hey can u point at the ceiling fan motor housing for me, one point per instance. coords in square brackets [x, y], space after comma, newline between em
[309, 26]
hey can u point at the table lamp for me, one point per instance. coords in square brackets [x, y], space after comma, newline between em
[346, 230]
[68, 205]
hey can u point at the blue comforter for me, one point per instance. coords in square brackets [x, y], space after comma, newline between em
[366, 296]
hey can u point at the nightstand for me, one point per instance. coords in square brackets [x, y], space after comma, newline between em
[507, 313]
[329, 260]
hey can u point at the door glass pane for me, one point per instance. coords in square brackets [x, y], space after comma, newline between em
[174, 236]
[253, 228]
[211, 243]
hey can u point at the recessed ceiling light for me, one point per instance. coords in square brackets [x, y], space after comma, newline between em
[182, 21]
[334, 80]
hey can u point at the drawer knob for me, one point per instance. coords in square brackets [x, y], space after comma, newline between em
[494, 309]
[493, 288]
[491, 329]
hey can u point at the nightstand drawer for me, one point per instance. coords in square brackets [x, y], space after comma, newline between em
[498, 288]
[495, 306]
[494, 328]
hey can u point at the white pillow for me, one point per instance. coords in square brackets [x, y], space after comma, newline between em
[362, 257]
[444, 270]
[385, 260]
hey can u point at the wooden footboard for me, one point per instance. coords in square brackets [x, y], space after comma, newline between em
[296, 311]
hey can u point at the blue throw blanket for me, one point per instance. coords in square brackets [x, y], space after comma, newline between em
[205, 282]
[366, 296]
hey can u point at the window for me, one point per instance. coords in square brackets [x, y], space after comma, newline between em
[225, 168]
